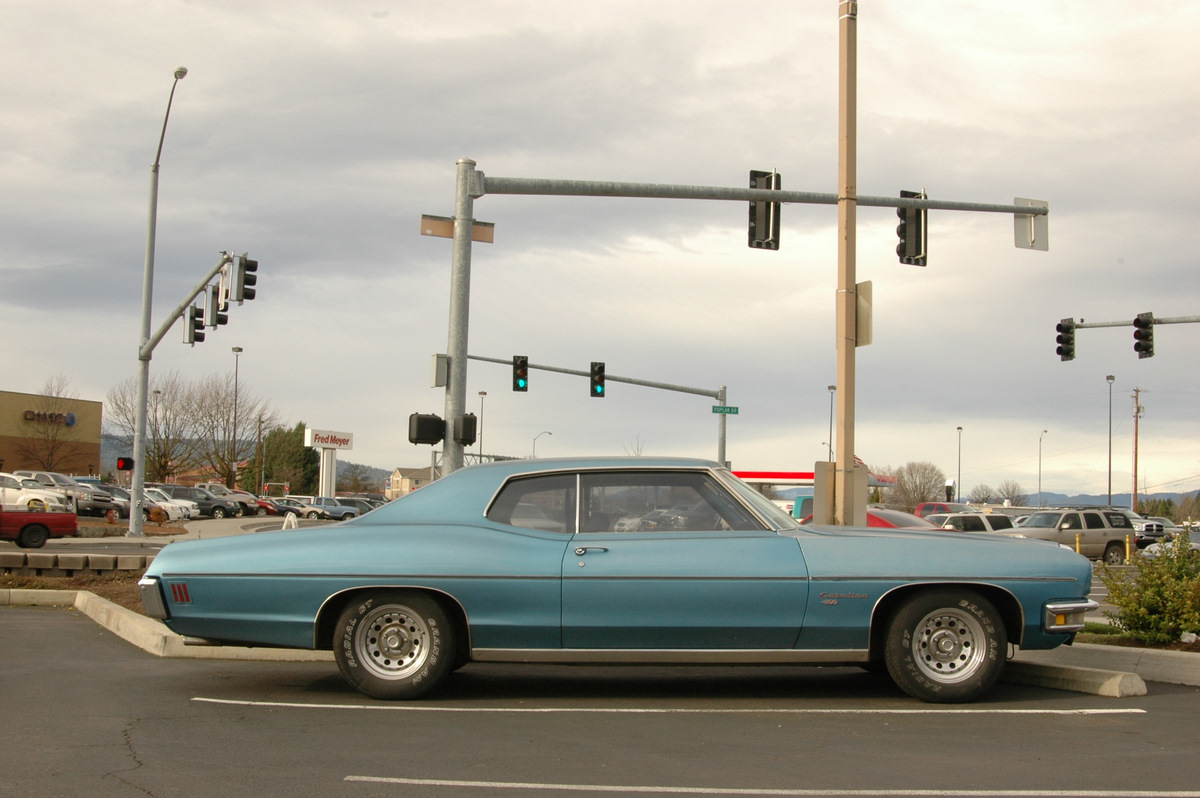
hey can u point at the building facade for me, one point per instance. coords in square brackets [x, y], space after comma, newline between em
[50, 433]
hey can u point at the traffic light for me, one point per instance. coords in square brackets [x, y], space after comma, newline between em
[215, 307]
[426, 428]
[124, 463]
[1066, 339]
[913, 231]
[597, 379]
[520, 373]
[764, 216]
[193, 325]
[1143, 335]
[245, 279]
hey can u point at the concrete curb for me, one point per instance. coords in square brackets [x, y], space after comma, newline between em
[148, 634]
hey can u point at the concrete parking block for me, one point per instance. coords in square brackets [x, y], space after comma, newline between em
[131, 562]
[12, 560]
[39, 560]
[102, 562]
[1095, 681]
[72, 562]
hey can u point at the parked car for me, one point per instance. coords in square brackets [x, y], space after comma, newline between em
[86, 499]
[186, 508]
[244, 503]
[333, 508]
[359, 503]
[26, 493]
[30, 529]
[448, 574]
[883, 518]
[1101, 533]
[929, 508]
[973, 522]
[289, 504]
[210, 505]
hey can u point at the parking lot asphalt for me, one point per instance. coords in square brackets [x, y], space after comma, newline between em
[1111, 671]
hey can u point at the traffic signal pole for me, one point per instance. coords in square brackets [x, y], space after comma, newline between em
[847, 509]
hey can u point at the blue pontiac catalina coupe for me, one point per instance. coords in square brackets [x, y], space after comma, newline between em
[520, 561]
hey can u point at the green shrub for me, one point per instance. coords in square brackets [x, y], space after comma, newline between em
[1158, 599]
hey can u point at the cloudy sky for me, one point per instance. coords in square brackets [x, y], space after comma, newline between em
[313, 135]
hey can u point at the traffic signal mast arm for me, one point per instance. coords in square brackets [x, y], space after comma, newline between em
[590, 188]
[1143, 324]
[718, 394]
[180, 309]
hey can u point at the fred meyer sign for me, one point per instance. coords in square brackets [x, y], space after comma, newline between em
[324, 439]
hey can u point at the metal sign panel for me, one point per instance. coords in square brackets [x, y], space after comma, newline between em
[1030, 231]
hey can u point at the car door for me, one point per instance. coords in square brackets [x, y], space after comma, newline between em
[710, 576]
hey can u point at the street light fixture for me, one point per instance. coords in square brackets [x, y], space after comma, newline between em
[137, 494]
[535, 437]
[1040, 467]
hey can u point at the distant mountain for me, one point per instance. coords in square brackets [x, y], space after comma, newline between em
[1118, 499]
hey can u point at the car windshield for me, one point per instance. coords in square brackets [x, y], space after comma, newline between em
[1042, 521]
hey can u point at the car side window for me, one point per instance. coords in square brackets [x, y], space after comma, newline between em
[1093, 521]
[664, 501]
[1118, 521]
[9, 482]
[1000, 521]
[973, 524]
[1071, 521]
[544, 503]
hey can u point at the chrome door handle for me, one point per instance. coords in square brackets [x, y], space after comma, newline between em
[582, 550]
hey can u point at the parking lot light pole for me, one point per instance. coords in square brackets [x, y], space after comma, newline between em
[1110, 379]
[958, 483]
[237, 356]
[1040, 467]
[137, 494]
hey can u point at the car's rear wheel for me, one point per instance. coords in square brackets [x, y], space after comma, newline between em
[312, 514]
[261, 511]
[394, 644]
[1115, 553]
[33, 536]
[946, 646]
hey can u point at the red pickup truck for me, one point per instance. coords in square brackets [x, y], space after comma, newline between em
[31, 530]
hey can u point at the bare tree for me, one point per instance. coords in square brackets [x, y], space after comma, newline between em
[54, 442]
[228, 434]
[981, 494]
[172, 442]
[916, 483]
[1013, 493]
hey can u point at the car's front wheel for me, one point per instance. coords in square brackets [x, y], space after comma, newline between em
[946, 646]
[218, 512]
[394, 644]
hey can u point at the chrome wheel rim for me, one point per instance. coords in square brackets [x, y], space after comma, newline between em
[392, 642]
[949, 645]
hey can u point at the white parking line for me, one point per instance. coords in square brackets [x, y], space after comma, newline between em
[669, 710]
[627, 789]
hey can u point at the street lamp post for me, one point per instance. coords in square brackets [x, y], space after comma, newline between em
[237, 356]
[958, 482]
[1040, 467]
[137, 489]
[535, 437]
[1110, 378]
[829, 443]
